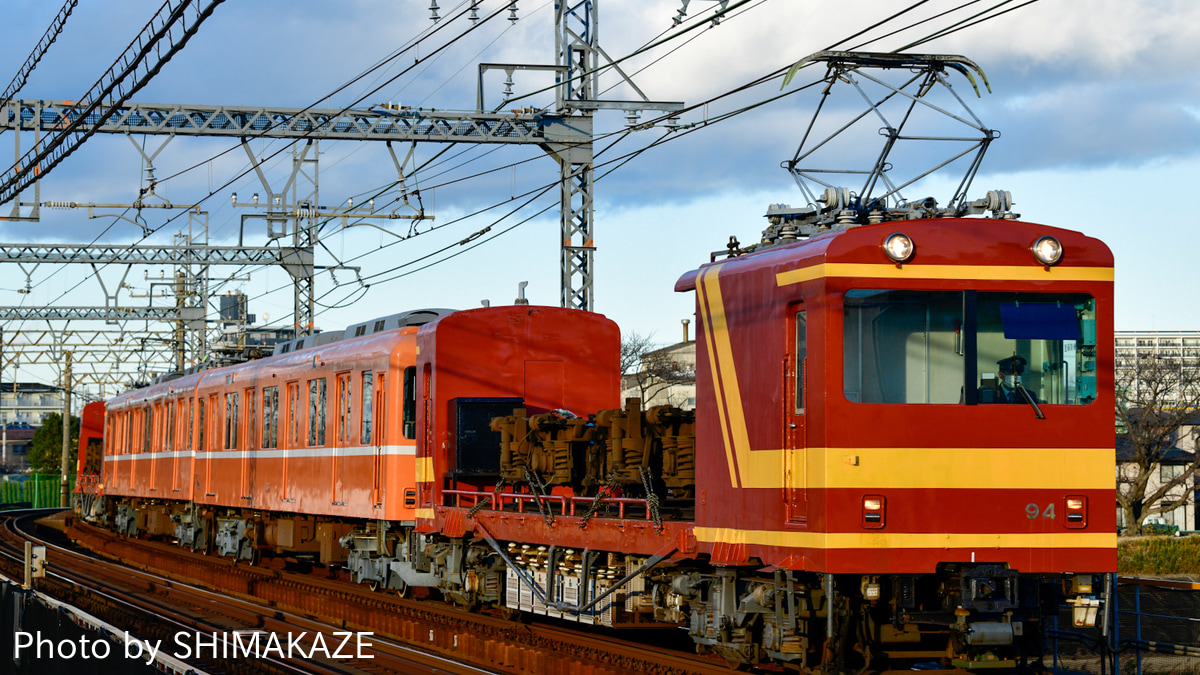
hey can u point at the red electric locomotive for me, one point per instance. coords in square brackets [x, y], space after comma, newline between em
[902, 450]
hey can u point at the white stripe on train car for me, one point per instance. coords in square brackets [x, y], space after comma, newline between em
[298, 453]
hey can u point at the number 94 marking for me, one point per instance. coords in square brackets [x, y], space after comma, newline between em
[1032, 511]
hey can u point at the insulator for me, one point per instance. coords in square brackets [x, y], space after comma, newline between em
[61, 205]
[474, 17]
[682, 12]
[512, 11]
[835, 197]
[999, 200]
[433, 11]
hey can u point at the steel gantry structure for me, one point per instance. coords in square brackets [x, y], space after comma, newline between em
[565, 133]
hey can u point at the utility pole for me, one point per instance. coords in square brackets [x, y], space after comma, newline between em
[66, 427]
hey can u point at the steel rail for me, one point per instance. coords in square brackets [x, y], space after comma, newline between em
[273, 619]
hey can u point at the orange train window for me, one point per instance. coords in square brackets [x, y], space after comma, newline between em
[231, 421]
[251, 417]
[270, 420]
[293, 414]
[316, 412]
[368, 385]
[343, 408]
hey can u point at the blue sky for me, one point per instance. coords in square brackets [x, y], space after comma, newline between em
[1099, 112]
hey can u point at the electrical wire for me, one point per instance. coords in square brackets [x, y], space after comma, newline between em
[247, 171]
[625, 159]
[621, 162]
[967, 23]
[43, 45]
[476, 241]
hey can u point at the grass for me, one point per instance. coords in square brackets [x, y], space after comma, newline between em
[1158, 555]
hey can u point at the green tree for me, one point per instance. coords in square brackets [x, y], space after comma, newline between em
[45, 450]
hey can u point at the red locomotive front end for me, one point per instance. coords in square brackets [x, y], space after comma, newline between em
[921, 411]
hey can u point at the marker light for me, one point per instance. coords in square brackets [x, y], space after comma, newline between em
[873, 512]
[1048, 251]
[898, 247]
[1076, 511]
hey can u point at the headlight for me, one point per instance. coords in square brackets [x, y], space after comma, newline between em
[874, 513]
[1048, 251]
[1076, 511]
[898, 247]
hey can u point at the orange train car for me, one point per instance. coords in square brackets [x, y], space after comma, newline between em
[90, 456]
[901, 451]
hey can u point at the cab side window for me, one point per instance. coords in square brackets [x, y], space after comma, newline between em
[410, 402]
[801, 354]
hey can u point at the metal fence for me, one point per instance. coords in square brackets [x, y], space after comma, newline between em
[33, 491]
[1151, 627]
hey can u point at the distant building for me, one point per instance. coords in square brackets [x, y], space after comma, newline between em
[28, 402]
[23, 406]
[1134, 347]
[1181, 349]
[1173, 464]
[667, 376]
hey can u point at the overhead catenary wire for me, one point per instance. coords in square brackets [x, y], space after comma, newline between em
[709, 122]
[247, 171]
[626, 158]
[665, 139]
[773, 74]
[362, 98]
[969, 22]
[43, 45]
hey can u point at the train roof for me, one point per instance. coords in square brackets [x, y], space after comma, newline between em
[194, 376]
[937, 241]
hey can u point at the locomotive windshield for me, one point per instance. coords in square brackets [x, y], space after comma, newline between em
[969, 347]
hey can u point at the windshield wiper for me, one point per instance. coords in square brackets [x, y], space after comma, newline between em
[1029, 399]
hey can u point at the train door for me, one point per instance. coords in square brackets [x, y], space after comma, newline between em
[341, 437]
[157, 446]
[189, 446]
[425, 447]
[248, 447]
[795, 366]
[171, 444]
[230, 447]
[295, 421]
[126, 447]
[201, 434]
[366, 436]
[381, 432]
[183, 441]
[214, 441]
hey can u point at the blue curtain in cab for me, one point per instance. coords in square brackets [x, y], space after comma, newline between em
[1039, 321]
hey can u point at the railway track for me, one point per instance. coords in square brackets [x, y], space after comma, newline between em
[258, 598]
[192, 623]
